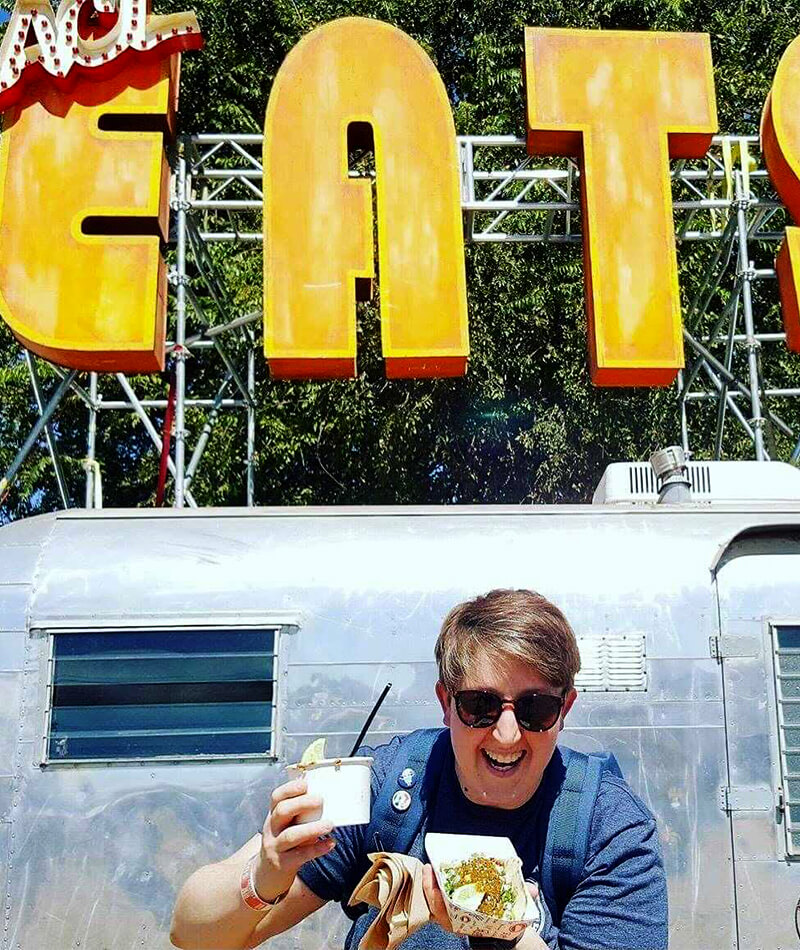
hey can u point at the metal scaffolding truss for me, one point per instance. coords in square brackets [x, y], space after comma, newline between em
[725, 200]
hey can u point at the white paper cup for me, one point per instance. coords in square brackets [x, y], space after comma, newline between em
[343, 785]
[450, 849]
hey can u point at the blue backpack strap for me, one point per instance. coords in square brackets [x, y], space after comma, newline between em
[569, 826]
[392, 830]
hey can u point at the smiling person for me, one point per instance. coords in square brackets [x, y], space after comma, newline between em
[507, 664]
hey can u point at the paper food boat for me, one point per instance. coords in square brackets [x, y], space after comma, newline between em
[342, 784]
[451, 849]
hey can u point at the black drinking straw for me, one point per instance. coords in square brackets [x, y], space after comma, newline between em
[371, 716]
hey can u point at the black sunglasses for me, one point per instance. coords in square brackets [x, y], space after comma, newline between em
[535, 712]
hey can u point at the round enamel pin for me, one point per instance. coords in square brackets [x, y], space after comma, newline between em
[401, 800]
[407, 778]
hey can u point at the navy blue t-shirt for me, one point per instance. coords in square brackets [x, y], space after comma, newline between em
[620, 904]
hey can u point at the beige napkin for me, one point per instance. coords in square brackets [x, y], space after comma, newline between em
[394, 885]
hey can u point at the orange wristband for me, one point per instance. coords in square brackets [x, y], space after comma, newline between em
[247, 885]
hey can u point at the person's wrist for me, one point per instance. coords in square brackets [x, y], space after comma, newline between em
[263, 888]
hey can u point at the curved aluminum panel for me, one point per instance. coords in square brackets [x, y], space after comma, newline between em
[99, 853]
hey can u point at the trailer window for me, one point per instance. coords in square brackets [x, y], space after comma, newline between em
[161, 694]
[786, 645]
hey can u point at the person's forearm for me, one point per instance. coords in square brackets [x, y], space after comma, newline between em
[210, 913]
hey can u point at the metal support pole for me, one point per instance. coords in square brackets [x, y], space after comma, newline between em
[711, 360]
[468, 186]
[36, 431]
[717, 382]
[251, 423]
[684, 419]
[202, 442]
[229, 364]
[155, 438]
[723, 402]
[497, 221]
[246, 320]
[732, 304]
[91, 440]
[48, 432]
[180, 351]
[108, 404]
[745, 272]
[572, 169]
[76, 388]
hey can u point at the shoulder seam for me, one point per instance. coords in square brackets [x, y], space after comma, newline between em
[620, 783]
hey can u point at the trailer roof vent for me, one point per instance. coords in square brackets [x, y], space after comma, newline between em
[625, 483]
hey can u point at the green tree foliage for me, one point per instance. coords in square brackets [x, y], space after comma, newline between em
[525, 424]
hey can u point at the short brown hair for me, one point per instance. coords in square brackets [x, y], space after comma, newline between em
[518, 624]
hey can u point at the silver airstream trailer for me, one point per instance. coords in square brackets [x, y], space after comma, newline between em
[159, 669]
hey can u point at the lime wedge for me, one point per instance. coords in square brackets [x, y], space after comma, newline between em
[314, 753]
[467, 896]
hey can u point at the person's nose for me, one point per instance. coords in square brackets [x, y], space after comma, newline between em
[506, 728]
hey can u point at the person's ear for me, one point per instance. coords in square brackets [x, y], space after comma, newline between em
[569, 699]
[444, 701]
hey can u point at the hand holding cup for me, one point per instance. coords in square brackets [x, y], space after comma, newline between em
[293, 834]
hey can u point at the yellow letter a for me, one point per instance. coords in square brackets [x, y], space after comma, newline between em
[318, 223]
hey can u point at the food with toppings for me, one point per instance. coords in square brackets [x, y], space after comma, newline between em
[315, 752]
[489, 886]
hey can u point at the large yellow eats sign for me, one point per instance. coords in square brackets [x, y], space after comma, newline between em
[88, 97]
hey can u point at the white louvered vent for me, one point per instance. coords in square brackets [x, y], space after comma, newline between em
[643, 484]
[635, 483]
[612, 663]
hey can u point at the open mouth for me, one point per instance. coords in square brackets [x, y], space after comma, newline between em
[502, 764]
